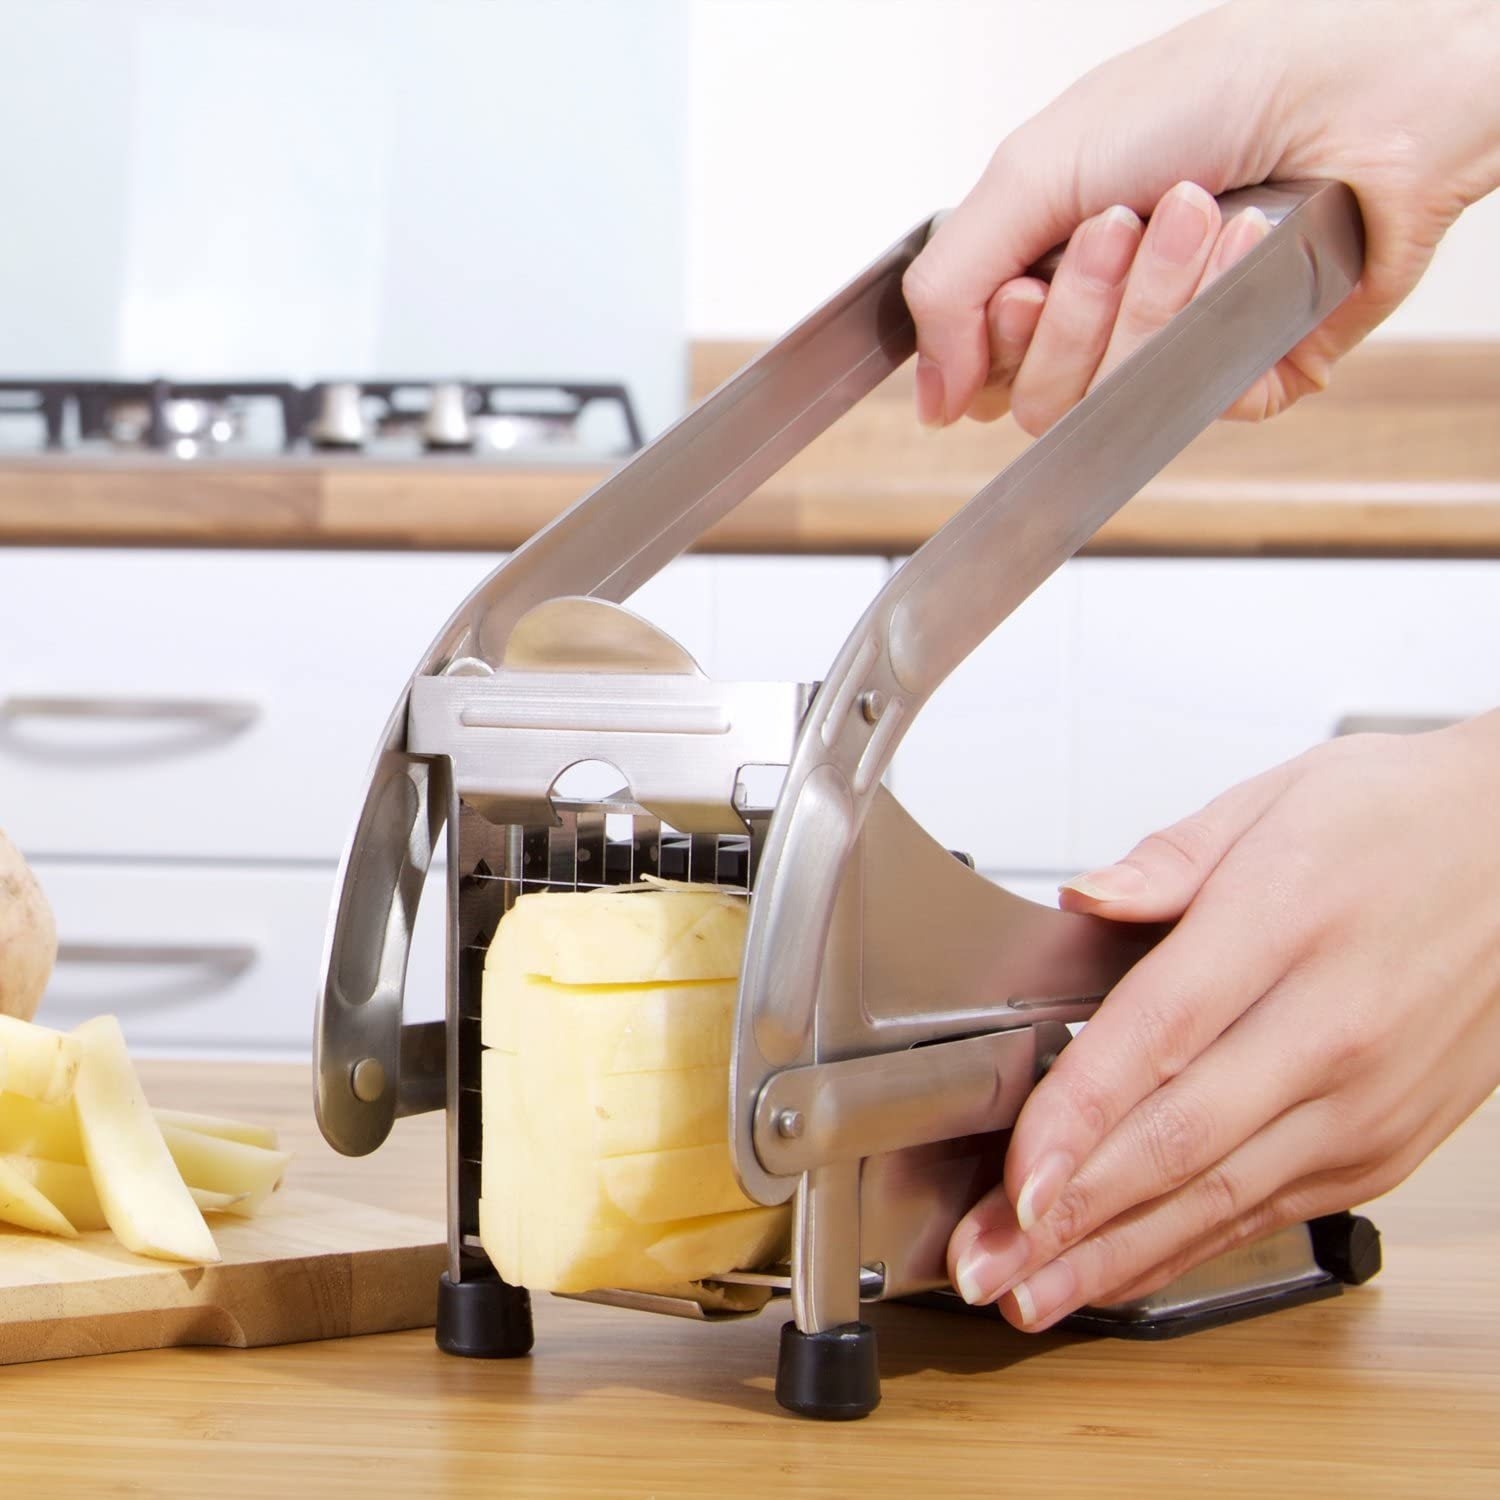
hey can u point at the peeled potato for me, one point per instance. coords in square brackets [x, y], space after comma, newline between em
[608, 1020]
[28, 935]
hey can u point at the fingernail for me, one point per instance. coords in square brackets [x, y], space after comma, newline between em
[986, 1269]
[1042, 1294]
[1247, 229]
[1109, 245]
[1179, 226]
[1043, 1188]
[930, 396]
[1016, 320]
[1113, 883]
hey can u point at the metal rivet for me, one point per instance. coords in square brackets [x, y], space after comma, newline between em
[789, 1123]
[367, 1079]
[872, 705]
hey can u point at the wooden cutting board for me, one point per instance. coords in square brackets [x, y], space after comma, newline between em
[312, 1266]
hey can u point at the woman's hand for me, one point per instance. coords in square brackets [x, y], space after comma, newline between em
[1398, 100]
[1323, 1014]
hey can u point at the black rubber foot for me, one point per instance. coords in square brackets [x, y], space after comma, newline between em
[483, 1318]
[834, 1375]
[1346, 1246]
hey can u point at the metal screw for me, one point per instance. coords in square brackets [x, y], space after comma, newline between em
[789, 1123]
[367, 1079]
[872, 705]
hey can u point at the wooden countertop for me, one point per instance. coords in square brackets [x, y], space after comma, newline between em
[1393, 1389]
[1401, 457]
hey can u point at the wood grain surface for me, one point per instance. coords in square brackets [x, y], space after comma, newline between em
[312, 1266]
[1401, 457]
[1390, 1390]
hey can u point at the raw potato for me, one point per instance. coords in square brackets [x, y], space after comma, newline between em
[39, 1063]
[608, 1020]
[669, 934]
[225, 1130]
[144, 1197]
[30, 1128]
[67, 1186]
[243, 1175]
[28, 936]
[22, 1203]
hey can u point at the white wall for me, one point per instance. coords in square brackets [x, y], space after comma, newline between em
[407, 187]
[820, 129]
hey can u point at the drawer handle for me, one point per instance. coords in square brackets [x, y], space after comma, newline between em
[197, 972]
[1391, 723]
[226, 959]
[219, 713]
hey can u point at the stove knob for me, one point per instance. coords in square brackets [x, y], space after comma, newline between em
[447, 425]
[339, 418]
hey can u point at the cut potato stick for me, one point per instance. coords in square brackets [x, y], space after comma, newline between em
[248, 1174]
[39, 1063]
[143, 1195]
[23, 1204]
[226, 1130]
[30, 1128]
[217, 1203]
[67, 1186]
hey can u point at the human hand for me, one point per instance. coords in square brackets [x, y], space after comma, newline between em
[1398, 100]
[1323, 1014]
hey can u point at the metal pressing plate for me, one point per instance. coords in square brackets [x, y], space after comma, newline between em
[678, 741]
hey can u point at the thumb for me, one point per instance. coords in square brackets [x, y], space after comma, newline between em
[1158, 879]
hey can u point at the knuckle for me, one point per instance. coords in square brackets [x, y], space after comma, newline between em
[1221, 1196]
[1089, 1101]
[1173, 1133]
[1070, 1218]
[922, 289]
[1192, 842]
[1164, 1039]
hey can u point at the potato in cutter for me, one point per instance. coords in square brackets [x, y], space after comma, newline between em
[894, 1007]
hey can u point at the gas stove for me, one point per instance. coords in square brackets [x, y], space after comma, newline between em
[520, 420]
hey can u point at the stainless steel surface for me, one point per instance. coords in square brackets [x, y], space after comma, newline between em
[679, 741]
[579, 634]
[220, 713]
[863, 1106]
[826, 1248]
[964, 582]
[657, 1302]
[883, 980]
[367, 1080]
[1280, 1262]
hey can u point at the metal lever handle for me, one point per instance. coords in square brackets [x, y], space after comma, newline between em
[625, 531]
[1011, 536]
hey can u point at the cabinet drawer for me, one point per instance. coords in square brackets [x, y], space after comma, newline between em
[222, 705]
[206, 960]
[1193, 676]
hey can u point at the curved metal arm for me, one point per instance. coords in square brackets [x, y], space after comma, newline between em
[610, 543]
[969, 577]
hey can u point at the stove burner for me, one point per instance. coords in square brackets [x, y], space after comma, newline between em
[196, 418]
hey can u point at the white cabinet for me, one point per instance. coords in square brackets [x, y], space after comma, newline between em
[203, 704]
[1192, 676]
[985, 766]
[206, 959]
